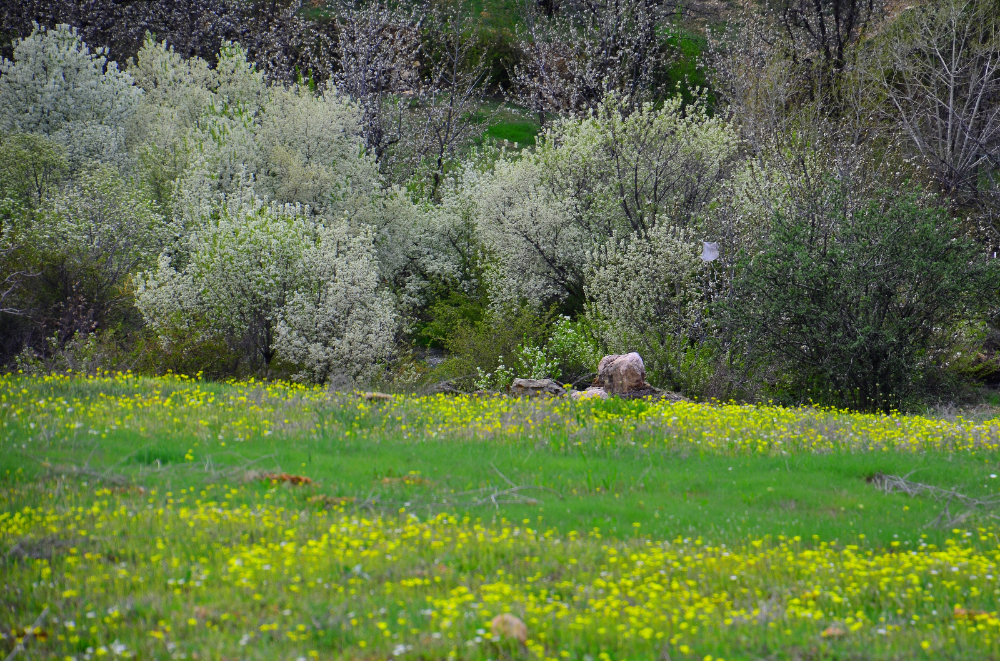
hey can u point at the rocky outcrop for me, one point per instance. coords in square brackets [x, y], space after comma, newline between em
[536, 388]
[622, 374]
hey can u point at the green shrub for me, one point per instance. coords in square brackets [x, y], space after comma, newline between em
[478, 348]
[575, 348]
[859, 306]
[445, 315]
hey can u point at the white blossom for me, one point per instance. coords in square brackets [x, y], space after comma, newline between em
[273, 281]
[611, 173]
[338, 324]
[243, 264]
[102, 229]
[56, 87]
[646, 292]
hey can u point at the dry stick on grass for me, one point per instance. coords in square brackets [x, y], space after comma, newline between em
[899, 484]
[370, 501]
[509, 496]
[73, 469]
[34, 627]
[248, 475]
[476, 497]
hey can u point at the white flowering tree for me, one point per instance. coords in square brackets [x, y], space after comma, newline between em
[98, 232]
[612, 173]
[57, 87]
[207, 130]
[177, 92]
[628, 170]
[339, 325]
[646, 293]
[242, 266]
[538, 249]
[272, 281]
[312, 149]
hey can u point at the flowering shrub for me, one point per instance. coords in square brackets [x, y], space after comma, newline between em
[238, 271]
[573, 345]
[647, 293]
[270, 278]
[593, 179]
[102, 229]
[536, 362]
[339, 322]
[498, 380]
[56, 87]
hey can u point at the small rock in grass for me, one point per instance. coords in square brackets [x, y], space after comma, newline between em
[508, 626]
[590, 393]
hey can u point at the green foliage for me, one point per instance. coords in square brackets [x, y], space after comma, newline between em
[535, 362]
[684, 72]
[446, 314]
[189, 349]
[31, 166]
[575, 347]
[481, 347]
[498, 380]
[523, 134]
[859, 307]
[113, 349]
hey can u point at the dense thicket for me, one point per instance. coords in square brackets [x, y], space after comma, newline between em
[807, 210]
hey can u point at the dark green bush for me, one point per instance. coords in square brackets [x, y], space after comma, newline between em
[860, 307]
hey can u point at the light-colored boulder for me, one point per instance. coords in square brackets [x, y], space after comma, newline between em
[589, 393]
[510, 627]
[621, 374]
[536, 387]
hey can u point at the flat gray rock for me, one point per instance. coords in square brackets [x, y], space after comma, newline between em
[536, 388]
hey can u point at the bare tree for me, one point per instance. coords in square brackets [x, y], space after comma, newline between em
[543, 80]
[778, 85]
[451, 92]
[751, 76]
[826, 30]
[942, 83]
[591, 48]
[377, 50]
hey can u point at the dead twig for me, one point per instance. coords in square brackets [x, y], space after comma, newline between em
[970, 506]
[502, 475]
[250, 475]
[110, 478]
[28, 634]
[370, 501]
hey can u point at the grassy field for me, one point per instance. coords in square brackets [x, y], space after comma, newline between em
[173, 518]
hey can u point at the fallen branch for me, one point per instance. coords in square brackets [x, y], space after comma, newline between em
[971, 506]
[28, 634]
[110, 478]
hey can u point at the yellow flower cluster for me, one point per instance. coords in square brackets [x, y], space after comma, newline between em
[67, 406]
[196, 575]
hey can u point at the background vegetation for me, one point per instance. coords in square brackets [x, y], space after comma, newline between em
[449, 195]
